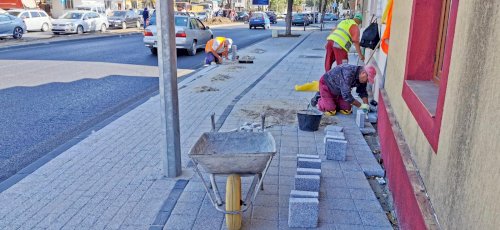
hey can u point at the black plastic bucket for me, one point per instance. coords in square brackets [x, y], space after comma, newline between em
[309, 120]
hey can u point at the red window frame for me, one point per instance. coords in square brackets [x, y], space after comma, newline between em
[420, 63]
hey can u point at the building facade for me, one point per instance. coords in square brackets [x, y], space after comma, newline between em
[438, 93]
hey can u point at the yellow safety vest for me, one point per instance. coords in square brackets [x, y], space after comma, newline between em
[341, 34]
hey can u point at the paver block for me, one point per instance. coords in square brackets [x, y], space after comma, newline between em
[308, 171]
[309, 163]
[372, 169]
[333, 128]
[360, 118]
[303, 194]
[303, 213]
[336, 150]
[334, 136]
[307, 183]
[308, 156]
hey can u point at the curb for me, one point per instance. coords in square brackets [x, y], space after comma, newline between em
[42, 42]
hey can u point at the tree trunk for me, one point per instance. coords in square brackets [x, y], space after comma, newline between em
[289, 18]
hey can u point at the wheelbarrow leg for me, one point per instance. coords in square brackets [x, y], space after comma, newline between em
[260, 178]
[216, 190]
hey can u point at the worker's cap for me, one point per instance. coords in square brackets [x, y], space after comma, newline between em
[358, 16]
[229, 41]
[372, 72]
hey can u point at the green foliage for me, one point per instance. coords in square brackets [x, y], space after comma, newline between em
[280, 5]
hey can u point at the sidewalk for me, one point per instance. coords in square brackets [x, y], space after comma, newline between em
[112, 179]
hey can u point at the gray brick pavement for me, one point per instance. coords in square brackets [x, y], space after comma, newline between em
[112, 179]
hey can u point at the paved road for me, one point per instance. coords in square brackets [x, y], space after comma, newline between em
[35, 120]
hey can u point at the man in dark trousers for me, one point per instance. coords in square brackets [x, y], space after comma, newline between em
[145, 16]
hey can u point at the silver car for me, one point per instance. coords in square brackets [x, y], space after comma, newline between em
[190, 34]
[11, 26]
[79, 22]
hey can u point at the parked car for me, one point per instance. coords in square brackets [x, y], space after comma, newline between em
[35, 20]
[242, 16]
[79, 22]
[259, 19]
[94, 8]
[11, 26]
[190, 34]
[2, 11]
[203, 16]
[331, 17]
[272, 17]
[124, 19]
[300, 19]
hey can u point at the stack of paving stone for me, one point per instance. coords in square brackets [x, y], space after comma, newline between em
[303, 209]
[363, 123]
[335, 143]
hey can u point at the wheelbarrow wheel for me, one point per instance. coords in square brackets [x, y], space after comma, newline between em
[233, 201]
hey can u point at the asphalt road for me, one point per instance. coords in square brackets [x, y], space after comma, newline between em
[36, 120]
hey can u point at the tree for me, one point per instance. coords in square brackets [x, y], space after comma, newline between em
[289, 18]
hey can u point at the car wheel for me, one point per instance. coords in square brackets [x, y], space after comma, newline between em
[154, 51]
[124, 25]
[138, 24]
[249, 27]
[264, 27]
[17, 33]
[55, 33]
[192, 50]
[79, 30]
[45, 27]
[103, 28]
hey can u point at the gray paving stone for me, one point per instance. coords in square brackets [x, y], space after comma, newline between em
[258, 224]
[333, 128]
[307, 183]
[372, 169]
[362, 194]
[349, 227]
[265, 212]
[350, 166]
[346, 217]
[267, 200]
[303, 212]
[180, 222]
[340, 204]
[208, 222]
[375, 219]
[308, 171]
[309, 163]
[336, 150]
[358, 183]
[303, 194]
[377, 228]
[368, 206]
[312, 156]
[336, 193]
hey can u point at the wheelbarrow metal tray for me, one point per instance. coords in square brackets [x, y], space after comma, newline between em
[233, 152]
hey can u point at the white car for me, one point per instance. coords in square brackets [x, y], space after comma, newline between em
[190, 34]
[35, 20]
[79, 22]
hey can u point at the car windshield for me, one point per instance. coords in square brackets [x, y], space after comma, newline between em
[14, 13]
[71, 15]
[179, 21]
[119, 13]
[201, 13]
[298, 15]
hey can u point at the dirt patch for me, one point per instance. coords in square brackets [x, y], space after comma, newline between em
[274, 115]
[218, 21]
[202, 89]
[327, 120]
[220, 77]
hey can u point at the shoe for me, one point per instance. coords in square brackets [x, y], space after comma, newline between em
[314, 100]
[345, 112]
[330, 113]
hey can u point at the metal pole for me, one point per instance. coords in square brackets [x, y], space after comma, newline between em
[169, 100]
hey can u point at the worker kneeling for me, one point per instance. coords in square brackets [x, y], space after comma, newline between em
[335, 89]
[216, 49]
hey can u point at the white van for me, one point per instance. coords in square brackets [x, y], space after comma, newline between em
[35, 20]
[100, 9]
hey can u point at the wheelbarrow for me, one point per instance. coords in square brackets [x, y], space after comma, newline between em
[233, 154]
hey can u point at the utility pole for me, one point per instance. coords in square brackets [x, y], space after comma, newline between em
[169, 98]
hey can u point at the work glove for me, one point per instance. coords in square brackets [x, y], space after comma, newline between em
[365, 108]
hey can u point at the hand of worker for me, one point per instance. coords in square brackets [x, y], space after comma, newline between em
[365, 108]
[362, 57]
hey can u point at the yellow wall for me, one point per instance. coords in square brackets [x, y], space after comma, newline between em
[463, 178]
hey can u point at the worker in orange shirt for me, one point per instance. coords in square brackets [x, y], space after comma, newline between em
[340, 41]
[216, 49]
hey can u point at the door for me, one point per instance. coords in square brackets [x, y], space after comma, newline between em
[194, 32]
[5, 25]
[204, 32]
[87, 22]
[27, 20]
[94, 19]
[36, 21]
